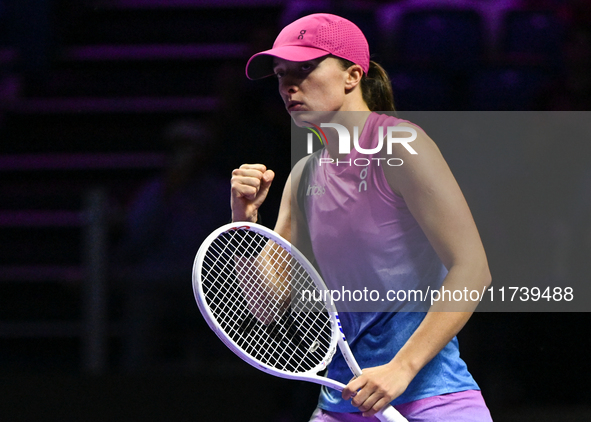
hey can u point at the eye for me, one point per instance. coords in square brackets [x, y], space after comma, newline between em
[306, 67]
[279, 71]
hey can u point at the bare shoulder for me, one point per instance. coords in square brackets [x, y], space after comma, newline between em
[423, 167]
[435, 200]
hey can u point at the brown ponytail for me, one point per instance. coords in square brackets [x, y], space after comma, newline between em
[375, 87]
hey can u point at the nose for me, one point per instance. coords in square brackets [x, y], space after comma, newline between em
[287, 86]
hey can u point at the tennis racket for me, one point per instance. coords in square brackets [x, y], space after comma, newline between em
[263, 299]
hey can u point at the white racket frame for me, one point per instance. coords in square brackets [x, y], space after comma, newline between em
[387, 414]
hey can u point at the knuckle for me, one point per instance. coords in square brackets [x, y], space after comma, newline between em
[377, 407]
[234, 185]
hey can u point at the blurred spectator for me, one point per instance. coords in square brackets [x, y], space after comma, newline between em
[164, 228]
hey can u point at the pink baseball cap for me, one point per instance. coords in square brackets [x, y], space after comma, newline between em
[311, 37]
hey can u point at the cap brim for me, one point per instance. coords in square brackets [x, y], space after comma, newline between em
[261, 64]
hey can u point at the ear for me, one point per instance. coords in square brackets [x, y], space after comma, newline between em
[354, 75]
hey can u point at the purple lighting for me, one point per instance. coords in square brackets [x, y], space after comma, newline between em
[155, 52]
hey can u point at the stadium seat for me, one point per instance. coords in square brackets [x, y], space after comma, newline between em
[533, 37]
[452, 38]
[421, 90]
[507, 88]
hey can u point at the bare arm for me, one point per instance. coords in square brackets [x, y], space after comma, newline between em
[265, 286]
[436, 202]
[290, 221]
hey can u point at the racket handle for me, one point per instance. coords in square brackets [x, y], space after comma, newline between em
[389, 414]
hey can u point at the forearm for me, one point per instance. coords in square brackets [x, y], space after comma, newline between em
[265, 283]
[444, 319]
[434, 333]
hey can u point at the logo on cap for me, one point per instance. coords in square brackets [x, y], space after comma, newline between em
[301, 36]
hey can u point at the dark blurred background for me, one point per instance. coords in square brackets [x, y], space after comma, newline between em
[120, 122]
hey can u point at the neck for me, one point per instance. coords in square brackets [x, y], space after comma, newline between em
[350, 120]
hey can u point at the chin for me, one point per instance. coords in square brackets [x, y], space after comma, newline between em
[300, 117]
[304, 118]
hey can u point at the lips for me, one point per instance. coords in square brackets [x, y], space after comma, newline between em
[294, 105]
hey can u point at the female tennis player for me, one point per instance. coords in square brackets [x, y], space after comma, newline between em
[407, 225]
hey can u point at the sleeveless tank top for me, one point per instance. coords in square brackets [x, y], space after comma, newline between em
[363, 236]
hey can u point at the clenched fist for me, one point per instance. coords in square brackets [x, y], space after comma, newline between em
[250, 185]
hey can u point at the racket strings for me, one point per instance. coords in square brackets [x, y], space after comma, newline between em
[273, 330]
[249, 282]
[254, 295]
